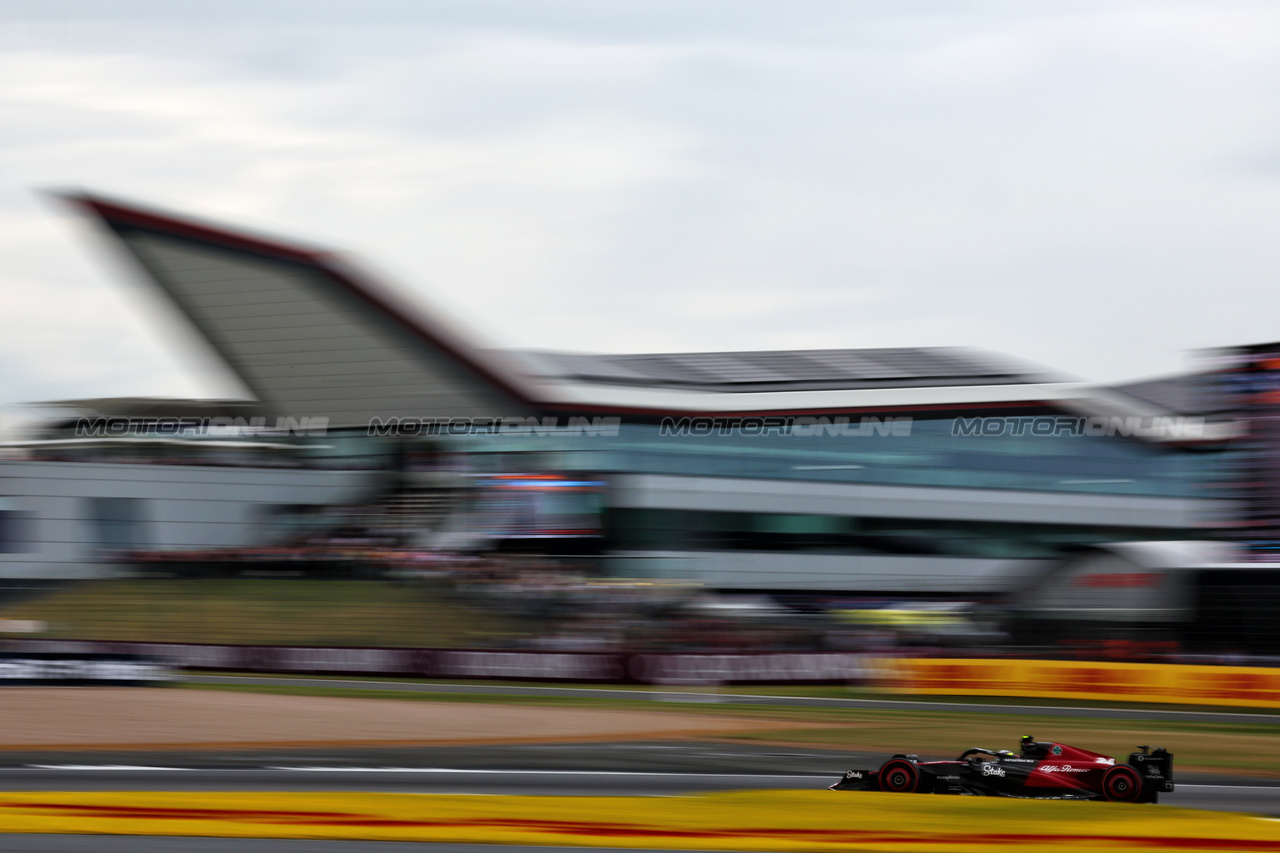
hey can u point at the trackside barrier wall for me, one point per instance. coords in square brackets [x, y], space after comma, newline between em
[595, 667]
[1180, 684]
[54, 668]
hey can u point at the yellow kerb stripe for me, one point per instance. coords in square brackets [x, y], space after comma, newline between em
[759, 820]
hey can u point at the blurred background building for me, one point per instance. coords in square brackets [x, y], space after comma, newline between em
[866, 484]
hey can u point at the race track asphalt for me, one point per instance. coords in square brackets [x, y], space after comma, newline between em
[594, 769]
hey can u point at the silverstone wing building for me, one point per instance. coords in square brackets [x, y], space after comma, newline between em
[861, 471]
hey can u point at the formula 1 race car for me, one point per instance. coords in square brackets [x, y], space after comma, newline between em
[1051, 771]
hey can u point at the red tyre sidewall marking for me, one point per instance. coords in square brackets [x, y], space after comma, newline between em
[1122, 772]
[907, 768]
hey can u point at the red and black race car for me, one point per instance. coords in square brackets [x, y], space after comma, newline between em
[1042, 770]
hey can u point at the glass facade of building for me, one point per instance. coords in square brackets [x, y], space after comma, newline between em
[929, 455]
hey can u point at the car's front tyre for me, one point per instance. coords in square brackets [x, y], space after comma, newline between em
[899, 776]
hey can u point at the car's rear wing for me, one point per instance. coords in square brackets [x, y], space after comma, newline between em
[1155, 766]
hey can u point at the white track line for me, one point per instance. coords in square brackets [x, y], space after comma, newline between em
[437, 770]
[112, 767]
[321, 769]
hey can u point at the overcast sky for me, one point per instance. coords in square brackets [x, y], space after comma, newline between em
[1093, 187]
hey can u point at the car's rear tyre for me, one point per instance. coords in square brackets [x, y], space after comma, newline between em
[1122, 784]
[899, 777]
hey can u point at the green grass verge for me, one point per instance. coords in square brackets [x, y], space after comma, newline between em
[822, 691]
[264, 612]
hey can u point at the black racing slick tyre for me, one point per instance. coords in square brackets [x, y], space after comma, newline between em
[1122, 784]
[899, 777]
